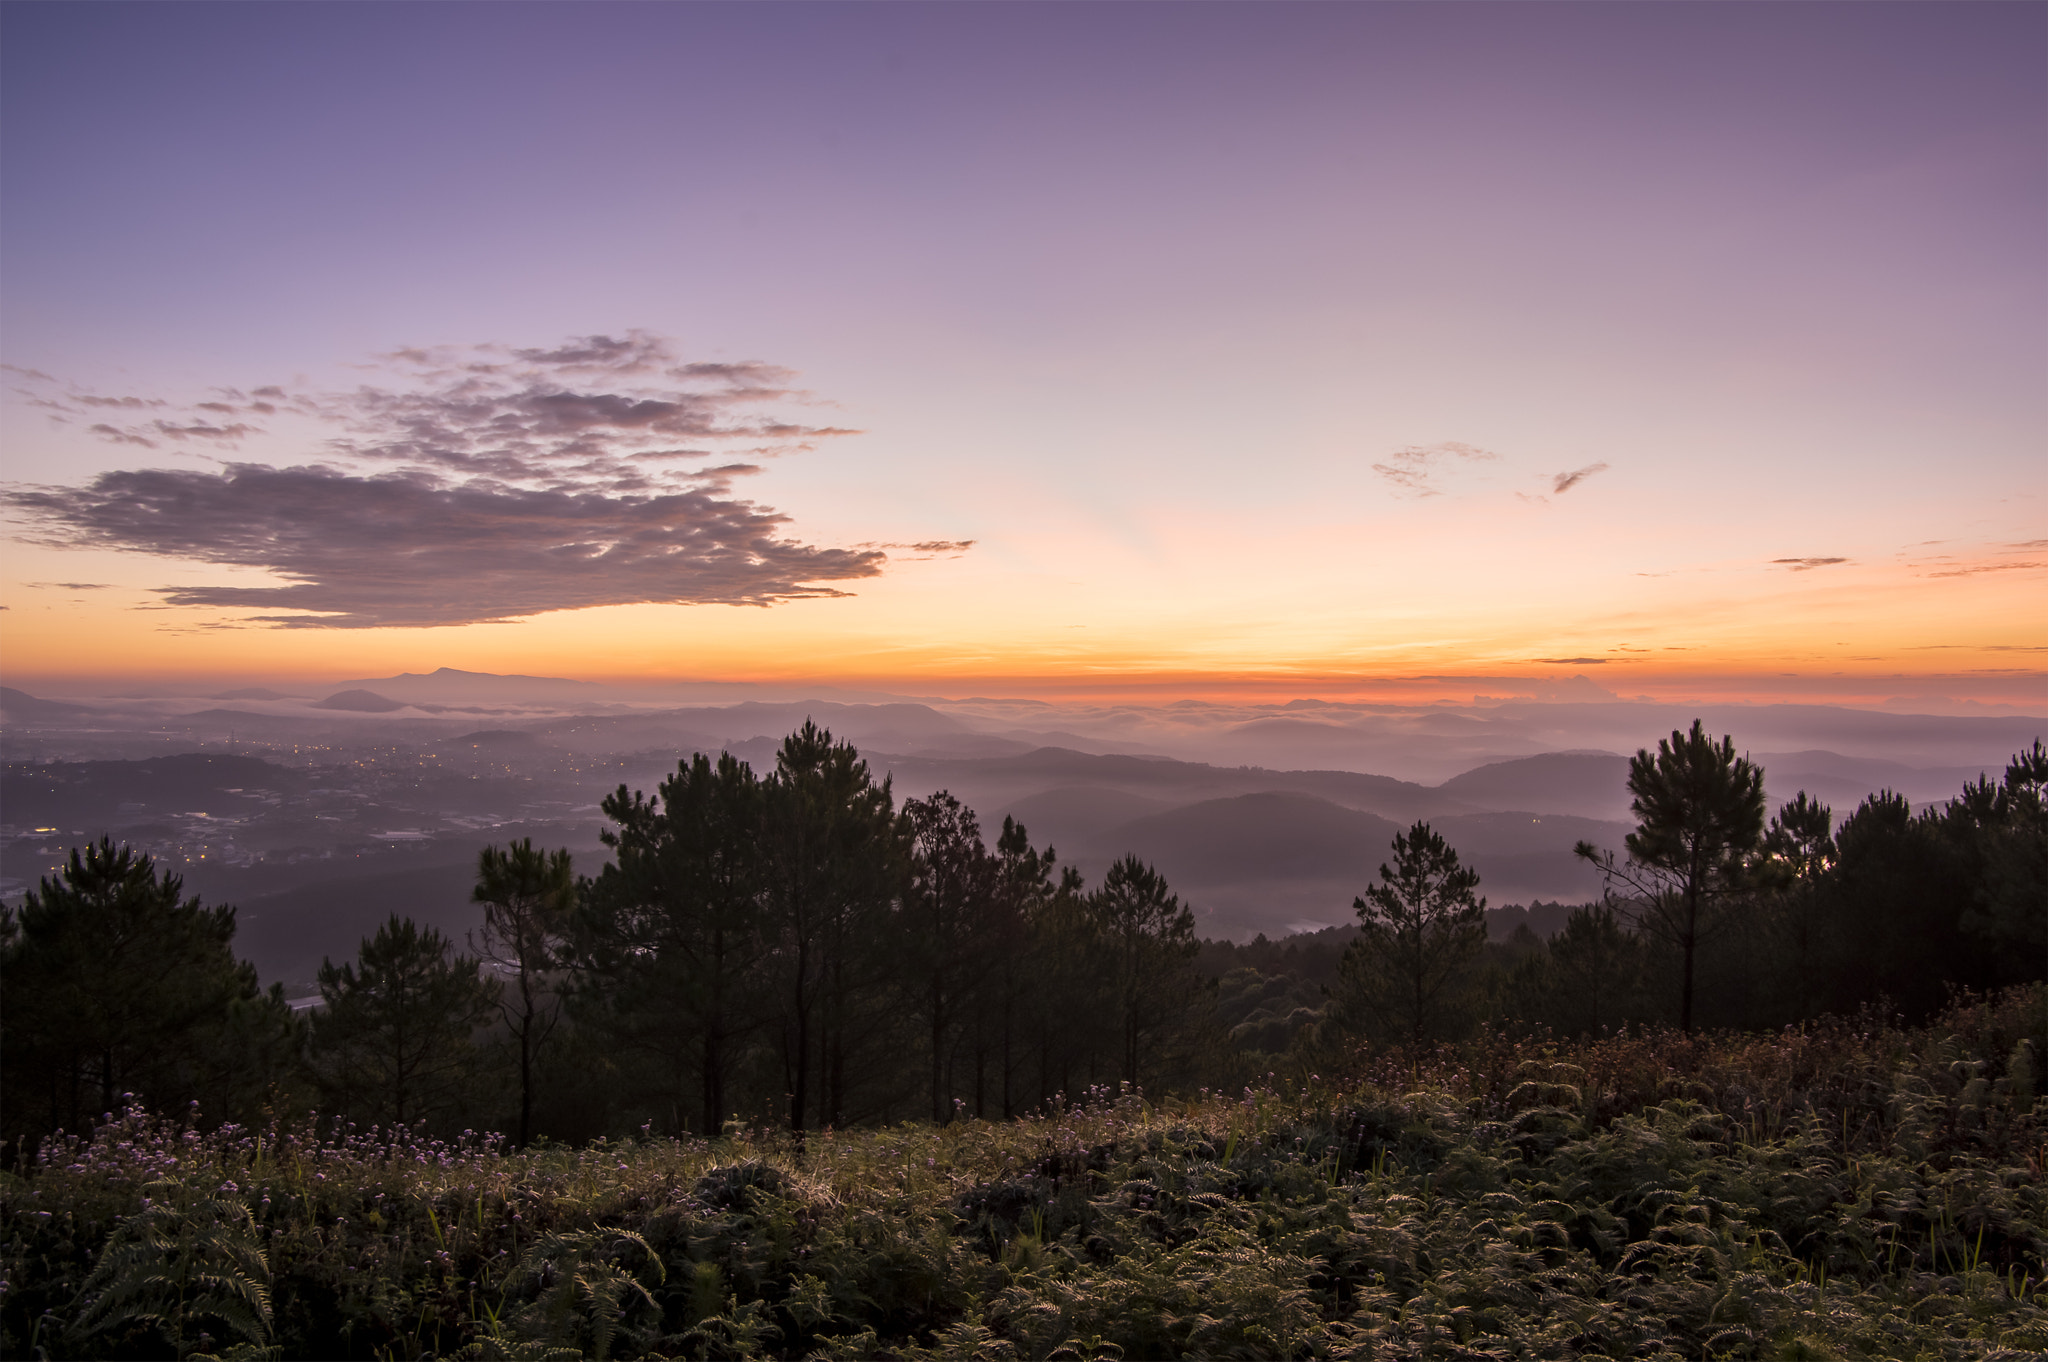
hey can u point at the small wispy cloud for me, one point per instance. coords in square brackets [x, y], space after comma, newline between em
[1977, 647]
[929, 548]
[1416, 470]
[123, 403]
[1806, 564]
[1974, 569]
[1575, 661]
[1564, 482]
[115, 435]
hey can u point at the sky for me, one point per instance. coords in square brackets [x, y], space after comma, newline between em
[1174, 350]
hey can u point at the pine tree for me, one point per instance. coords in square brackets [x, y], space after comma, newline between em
[835, 869]
[527, 896]
[1407, 973]
[949, 925]
[1001, 1008]
[1798, 852]
[117, 983]
[1595, 972]
[2008, 912]
[395, 1041]
[1700, 812]
[668, 939]
[1147, 940]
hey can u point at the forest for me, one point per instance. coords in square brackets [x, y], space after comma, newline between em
[706, 1074]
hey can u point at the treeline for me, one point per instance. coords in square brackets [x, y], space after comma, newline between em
[785, 949]
[793, 949]
[1714, 916]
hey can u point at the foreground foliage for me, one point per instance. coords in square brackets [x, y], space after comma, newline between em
[1843, 1190]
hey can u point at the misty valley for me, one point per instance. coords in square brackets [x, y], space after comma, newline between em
[499, 1026]
[317, 822]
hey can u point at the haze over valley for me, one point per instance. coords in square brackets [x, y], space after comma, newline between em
[318, 814]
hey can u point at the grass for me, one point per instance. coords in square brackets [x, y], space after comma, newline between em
[1846, 1190]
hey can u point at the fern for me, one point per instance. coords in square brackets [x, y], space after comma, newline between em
[584, 1290]
[178, 1262]
[491, 1348]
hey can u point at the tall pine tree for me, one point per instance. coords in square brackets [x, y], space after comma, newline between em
[1406, 975]
[116, 983]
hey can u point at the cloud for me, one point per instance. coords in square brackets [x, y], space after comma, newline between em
[1979, 647]
[130, 403]
[577, 412]
[74, 586]
[1807, 564]
[121, 437]
[484, 483]
[929, 548]
[1576, 661]
[1564, 482]
[401, 549]
[200, 430]
[584, 410]
[1416, 469]
[1976, 568]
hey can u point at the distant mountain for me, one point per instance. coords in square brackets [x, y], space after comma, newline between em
[1913, 739]
[1074, 816]
[1844, 782]
[1589, 784]
[19, 704]
[279, 723]
[253, 693]
[1279, 836]
[1595, 785]
[1428, 742]
[449, 684]
[1522, 856]
[360, 702]
[901, 727]
[1185, 782]
[1276, 835]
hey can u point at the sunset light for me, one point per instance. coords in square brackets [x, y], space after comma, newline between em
[886, 679]
[1319, 352]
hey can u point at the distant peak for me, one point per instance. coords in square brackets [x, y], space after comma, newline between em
[360, 702]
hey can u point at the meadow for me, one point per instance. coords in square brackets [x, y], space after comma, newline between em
[1845, 1188]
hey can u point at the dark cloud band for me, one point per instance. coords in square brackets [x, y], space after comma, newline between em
[362, 552]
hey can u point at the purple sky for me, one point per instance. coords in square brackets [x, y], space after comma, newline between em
[1135, 297]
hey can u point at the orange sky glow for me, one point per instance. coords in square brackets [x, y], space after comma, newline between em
[1385, 353]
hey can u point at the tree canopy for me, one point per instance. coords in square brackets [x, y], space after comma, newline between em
[117, 983]
[1422, 930]
[1700, 813]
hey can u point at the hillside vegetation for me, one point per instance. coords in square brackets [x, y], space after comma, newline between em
[660, 1111]
[1843, 1189]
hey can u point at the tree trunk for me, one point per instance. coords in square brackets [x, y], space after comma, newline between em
[938, 1057]
[1691, 938]
[800, 1088]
